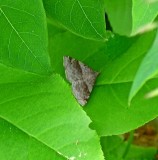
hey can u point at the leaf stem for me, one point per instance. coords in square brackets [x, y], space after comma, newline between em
[129, 142]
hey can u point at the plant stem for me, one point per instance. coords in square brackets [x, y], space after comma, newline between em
[129, 142]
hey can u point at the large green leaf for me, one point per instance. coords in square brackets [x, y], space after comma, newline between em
[45, 109]
[84, 18]
[148, 69]
[23, 36]
[16, 144]
[131, 17]
[109, 111]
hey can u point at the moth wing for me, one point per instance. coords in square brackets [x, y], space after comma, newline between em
[72, 69]
[89, 76]
[81, 92]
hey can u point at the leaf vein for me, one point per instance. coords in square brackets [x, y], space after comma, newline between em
[30, 51]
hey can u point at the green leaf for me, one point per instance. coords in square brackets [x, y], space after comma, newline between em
[124, 57]
[109, 111]
[148, 69]
[136, 15]
[143, 13]
[113, 147]
[84, 18]
[138, 152]
[44, 108]
[135, 152]
[15, 144]
[120, 15]
[110, 143]
[24, 36]
[10, 75]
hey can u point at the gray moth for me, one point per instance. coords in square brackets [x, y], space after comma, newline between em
[81, 77]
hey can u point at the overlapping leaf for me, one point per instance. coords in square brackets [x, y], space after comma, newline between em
[117, 60]
[131, 17]
[41, 111]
